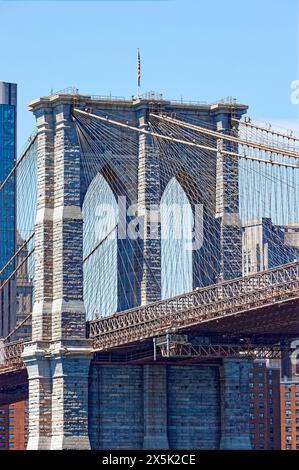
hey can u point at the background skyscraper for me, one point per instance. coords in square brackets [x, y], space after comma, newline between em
[8, 131]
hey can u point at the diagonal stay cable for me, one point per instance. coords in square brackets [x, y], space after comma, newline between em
[191, 144]
[25, 152]
[25, 259]
[17, 253]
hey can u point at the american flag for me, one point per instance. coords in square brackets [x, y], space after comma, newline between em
[138, 68]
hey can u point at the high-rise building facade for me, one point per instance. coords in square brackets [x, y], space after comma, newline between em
[8, 126]
[289, 403]
[266, 245]
[265, 405]
[8, 116]
[14, 426]
[24, 294]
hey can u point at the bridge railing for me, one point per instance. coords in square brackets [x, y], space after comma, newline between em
[200, 305]
[10, 356]
[183, 311]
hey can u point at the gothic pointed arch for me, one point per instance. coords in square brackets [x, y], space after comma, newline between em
[176, 238]
[100, 216]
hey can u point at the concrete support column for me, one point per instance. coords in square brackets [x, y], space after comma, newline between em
[36, 356]
[149, 195]
[234, 388]
[155, 407]
[43, 239]
[58, 357]
[227, 205]
[128, 251]
[70, 368]
[70, 351]
[40, 396]
[68, 313]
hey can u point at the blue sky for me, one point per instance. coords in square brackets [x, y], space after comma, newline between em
[195, 49]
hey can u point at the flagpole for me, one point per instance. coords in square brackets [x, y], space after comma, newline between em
[138, 73]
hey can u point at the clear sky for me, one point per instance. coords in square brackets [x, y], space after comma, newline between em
[196, 49]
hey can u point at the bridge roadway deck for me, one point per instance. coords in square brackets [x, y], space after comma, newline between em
[262, 307]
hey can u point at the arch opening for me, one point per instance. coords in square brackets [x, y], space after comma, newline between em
[176, 240]
[100, 217]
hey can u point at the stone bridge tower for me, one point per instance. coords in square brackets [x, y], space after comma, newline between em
[58, 358]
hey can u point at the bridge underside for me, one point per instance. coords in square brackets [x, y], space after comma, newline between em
[13, 387]
[269, 322]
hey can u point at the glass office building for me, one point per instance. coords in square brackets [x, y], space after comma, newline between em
[8, 115]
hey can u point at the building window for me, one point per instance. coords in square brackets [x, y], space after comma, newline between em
[288, 446]
[288, 437]
[287, 403]
[287, 394]
[288, 412]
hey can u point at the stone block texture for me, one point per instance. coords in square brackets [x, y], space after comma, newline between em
[58, 356]
[234, 376]
[169, 407]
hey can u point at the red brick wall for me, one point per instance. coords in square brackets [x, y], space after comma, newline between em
[14, 426]
[264, 420]
[289, 393]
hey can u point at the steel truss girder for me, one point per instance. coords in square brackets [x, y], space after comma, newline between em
[212, 351]
[204, 305]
